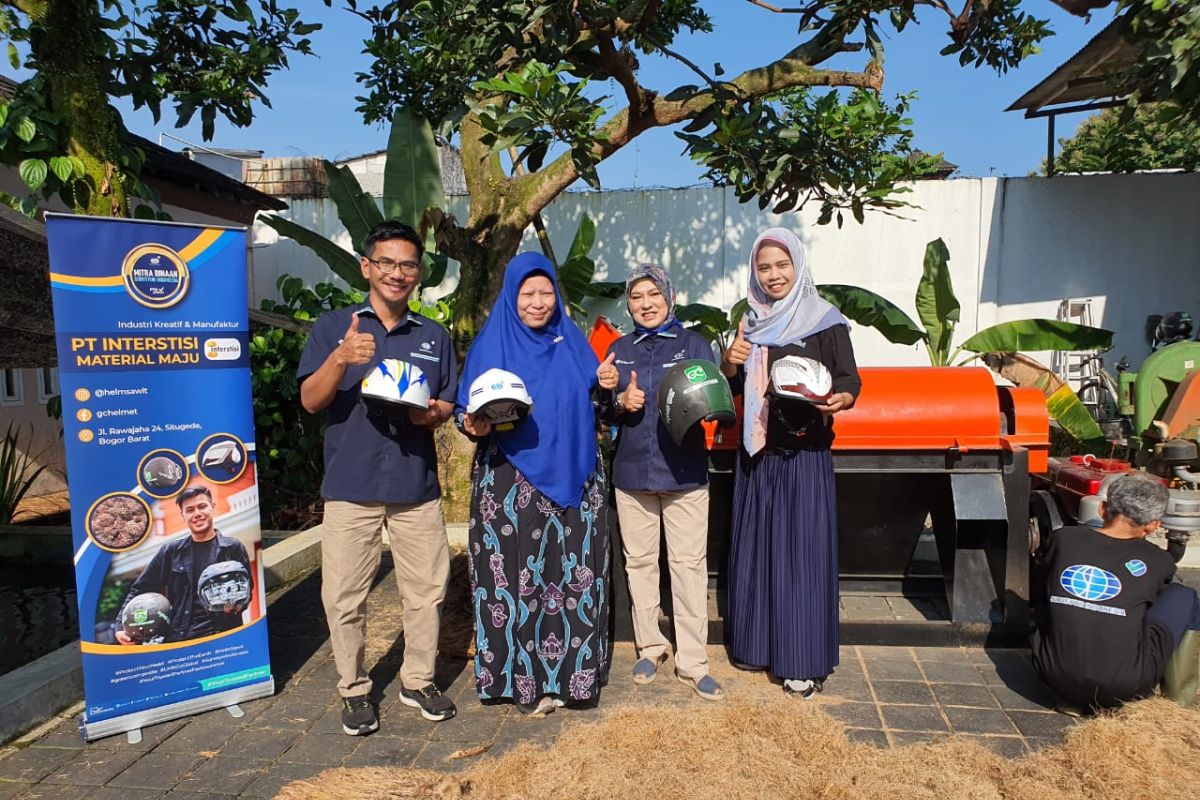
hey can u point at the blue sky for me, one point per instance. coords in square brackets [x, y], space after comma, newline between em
[959, 111]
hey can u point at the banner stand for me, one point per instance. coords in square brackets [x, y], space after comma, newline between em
[153, 343]
[132, 724]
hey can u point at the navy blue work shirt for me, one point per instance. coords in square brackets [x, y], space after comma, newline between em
[646, 458]
[373, 457]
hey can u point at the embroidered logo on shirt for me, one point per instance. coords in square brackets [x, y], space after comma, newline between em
[1136, 567]
[623, 361]
[679, 355]
[1090, 583]
[425, 356]
[427, 346]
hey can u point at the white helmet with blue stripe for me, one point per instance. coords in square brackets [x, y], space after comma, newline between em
[395, 383]
[500, 396]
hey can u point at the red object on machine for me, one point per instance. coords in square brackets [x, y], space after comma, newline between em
[932, 408]
[916, 408]
[602, 336]
[922, 408]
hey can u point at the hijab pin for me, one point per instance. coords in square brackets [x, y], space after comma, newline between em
[558, 339]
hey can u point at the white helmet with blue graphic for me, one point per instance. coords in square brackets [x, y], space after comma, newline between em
[394, 383]
[500, 396]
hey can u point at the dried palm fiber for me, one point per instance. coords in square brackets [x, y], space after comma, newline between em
[786, 749]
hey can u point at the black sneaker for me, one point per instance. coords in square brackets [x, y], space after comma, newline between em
[358, 716]
[434, 705]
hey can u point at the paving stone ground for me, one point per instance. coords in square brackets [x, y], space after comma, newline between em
[888, 696]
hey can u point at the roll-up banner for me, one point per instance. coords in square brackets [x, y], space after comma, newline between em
[154, 369]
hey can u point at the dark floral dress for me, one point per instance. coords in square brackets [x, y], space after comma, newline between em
[539, 579]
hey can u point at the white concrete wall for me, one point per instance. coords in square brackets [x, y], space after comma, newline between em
[1018, 246]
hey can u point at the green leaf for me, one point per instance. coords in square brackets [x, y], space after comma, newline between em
[25, 129]
[33, 171]
[1066, 409]
[704, 315]
[412, 177]
[343, 264]
[867, 308]
[14, 58]
[1037, 334]
[607, 289]
[585, 237]
[574, 277]
[937, 307]
[62, 168]
[356, 208]
[436, 270]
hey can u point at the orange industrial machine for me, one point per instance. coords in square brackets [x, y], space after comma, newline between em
[944, 444]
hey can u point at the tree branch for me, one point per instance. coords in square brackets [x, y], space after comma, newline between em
[666, 52]
[544, 185]
[619, 69]
[776, 9]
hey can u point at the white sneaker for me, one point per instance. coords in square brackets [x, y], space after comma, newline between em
[805, 689]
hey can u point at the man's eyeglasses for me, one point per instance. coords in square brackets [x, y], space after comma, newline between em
[387, 266]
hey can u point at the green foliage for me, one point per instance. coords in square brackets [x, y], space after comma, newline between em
[939, 311]
[342, 263]
[805, 145]
[868, 308]
[211, 57]
[112, 597]
[937, 307]
[428, 55]
[17, 471]
[412, 186]
[543, 107]
[1115, 140]
[290, 440]
[710, 322]
[1167, 32]
[412, 176]
[575, 274]
[1034, 335]
[996, 34]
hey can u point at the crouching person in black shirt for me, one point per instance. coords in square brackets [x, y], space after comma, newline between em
[1111, 618]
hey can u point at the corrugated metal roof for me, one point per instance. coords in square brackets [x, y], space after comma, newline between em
[1087, 75]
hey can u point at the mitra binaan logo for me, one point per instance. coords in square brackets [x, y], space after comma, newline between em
[222, 349]
[155, 275]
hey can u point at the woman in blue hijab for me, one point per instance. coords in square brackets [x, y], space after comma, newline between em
[538, 534]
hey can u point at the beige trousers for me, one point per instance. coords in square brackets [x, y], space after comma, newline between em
[685, 518]
[350, 555]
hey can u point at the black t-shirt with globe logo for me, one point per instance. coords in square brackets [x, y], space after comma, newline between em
[1093, 645]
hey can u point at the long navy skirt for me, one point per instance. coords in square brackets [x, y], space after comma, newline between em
[783, 555]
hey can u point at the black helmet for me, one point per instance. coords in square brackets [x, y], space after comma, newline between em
[691, 391]
[1173, 327]
[224, 583]
[146, 618]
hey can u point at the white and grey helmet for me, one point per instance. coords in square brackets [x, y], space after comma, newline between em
[222, 584]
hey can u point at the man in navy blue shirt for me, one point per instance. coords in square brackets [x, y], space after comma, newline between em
[381, 468]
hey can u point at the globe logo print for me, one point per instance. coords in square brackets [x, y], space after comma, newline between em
[1090, 583]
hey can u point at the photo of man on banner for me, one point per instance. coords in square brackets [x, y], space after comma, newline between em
[206, 579]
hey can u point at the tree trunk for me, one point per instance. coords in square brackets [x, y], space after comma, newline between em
[481, 275]
[488, 241]
[65, 43]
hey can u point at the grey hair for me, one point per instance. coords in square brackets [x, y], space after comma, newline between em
[1137, 497]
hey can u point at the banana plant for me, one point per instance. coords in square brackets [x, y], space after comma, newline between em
[939, 312]
[412, 184]
[575, 274]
